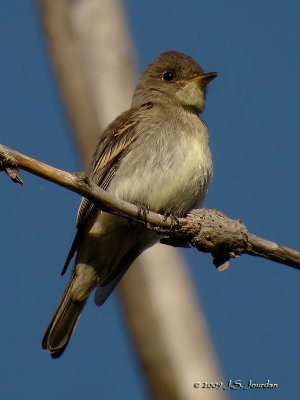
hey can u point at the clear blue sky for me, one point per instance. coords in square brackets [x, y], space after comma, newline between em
[253, 117]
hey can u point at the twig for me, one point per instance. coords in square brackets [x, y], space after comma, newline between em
[9, 165]
[210, 231]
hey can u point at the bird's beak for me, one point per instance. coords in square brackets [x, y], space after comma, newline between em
[203, 80]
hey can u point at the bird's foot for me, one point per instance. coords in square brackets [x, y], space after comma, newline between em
[142, 212]
[174, 220]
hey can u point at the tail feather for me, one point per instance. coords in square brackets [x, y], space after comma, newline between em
[62, 325]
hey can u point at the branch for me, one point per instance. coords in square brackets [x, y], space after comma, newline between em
[210, 231]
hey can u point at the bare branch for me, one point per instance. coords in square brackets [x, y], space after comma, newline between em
[81, 184]
[210, 231]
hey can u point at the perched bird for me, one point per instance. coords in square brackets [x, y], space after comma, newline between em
[155, 154]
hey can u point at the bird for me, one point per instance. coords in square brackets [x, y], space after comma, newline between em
[155, 155]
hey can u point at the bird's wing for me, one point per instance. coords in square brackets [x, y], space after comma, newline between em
[111, 147]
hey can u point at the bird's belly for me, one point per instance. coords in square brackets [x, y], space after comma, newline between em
[173, 183]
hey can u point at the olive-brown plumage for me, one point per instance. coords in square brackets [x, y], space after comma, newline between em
[155, 154]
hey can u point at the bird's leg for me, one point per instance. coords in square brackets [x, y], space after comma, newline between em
[142, 212]
[174, 220]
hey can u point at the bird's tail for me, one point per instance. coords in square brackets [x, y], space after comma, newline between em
[62, 325]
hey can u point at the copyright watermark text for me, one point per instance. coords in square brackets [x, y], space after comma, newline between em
[236, 384]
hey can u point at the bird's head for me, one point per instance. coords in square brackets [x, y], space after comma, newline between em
[174, 78]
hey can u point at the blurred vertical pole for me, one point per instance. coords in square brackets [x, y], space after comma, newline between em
[93, 60]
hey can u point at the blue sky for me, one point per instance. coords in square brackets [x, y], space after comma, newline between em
[253, 118]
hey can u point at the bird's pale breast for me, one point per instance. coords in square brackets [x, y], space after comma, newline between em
[173, 174]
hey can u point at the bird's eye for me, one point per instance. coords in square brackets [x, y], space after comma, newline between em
[168, 76]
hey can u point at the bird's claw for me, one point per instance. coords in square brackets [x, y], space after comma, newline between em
[174, 220]
[142, 212]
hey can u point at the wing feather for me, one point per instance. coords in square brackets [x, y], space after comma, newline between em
[112, 143]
